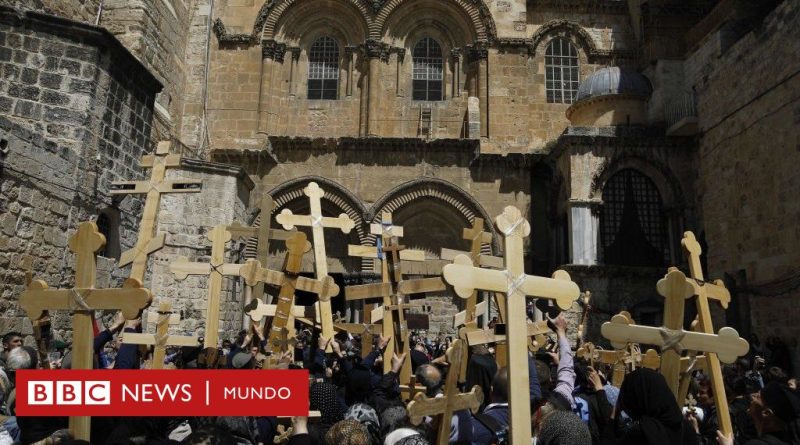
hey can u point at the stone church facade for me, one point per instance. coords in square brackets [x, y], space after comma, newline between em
[614, 126]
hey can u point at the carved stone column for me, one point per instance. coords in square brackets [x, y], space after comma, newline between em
[349, 52]
[271, 55]
[456, 54]
[293, 68]
[375, 52]
[479, 54]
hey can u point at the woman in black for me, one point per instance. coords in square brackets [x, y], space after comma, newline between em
[657, 419]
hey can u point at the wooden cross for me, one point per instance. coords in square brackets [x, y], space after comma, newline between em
[727, 345]
[83, 300]
[216, 270]
[704, 291]
[317, 222]
[516, 285]
[412, 389]
[392, 312]
[257, 310]
[585, 301]
[148, 241]
[161, 339]
[675, 290]
[486, 336]
[263, 234]
[452, 400]
[288, 281]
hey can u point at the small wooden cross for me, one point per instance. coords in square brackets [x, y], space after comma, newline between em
[263, 234]
[587, 307]
[516, 285]
[216, 270]
[452, 400]
[412, 389]
[317, 222]
[148, 241]
[705, 291]
[691, 404]
[161, 339]
[289, 281]
[83, 300]
[257, 310]
[393, 309]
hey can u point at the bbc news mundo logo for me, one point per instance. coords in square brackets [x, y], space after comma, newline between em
[69, 392]
[162, 392]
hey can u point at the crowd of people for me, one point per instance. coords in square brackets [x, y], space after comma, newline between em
[571, 402]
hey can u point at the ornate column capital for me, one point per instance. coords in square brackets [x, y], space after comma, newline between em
[478, 51]
[376, 49]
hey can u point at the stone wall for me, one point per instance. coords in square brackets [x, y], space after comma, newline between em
[76, 114]
[747, 175]
[155, 32]
[187, 218]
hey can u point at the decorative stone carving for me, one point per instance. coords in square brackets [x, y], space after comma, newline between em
[222, 35]
[376, 49]
[374, 5]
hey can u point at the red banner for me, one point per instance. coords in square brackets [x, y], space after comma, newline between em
[162, 393]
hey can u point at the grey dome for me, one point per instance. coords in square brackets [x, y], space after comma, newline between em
[614, 80]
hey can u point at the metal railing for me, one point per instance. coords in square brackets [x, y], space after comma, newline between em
[678, 107]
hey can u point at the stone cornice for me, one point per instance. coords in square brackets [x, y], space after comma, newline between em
[619, 136]
[218, 168]
[602, 6]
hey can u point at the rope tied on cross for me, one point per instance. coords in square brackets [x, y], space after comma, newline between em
[510, 229]
[672, 339]
[79, 299]
[163, 320]
[316, 221]
[513, 283]
[386, 228]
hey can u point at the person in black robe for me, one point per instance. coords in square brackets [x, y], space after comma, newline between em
[481, 369]
[657, 419]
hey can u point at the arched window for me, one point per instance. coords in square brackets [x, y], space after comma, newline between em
[108, 224]
[632, 223]
[323, 69]
[561, 71]
[427, 73]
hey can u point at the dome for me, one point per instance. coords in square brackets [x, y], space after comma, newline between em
[614, 80]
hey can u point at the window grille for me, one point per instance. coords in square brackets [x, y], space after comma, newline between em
[427, 70]
[323, 69]
[632, 224]
[562, 77]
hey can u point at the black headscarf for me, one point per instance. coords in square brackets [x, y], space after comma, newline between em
[325, 399]
[645, 396]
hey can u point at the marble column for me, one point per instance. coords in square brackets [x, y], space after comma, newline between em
[479, 53]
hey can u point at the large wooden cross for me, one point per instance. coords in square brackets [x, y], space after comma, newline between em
[675, 290]
[216, 270]
[451, 401]
[391, 253]
[516, 285]
[317, 222]
[83, 300]
[289, 281]
[727, 346]
[162, 338]
[703, 292]
[148, 241]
